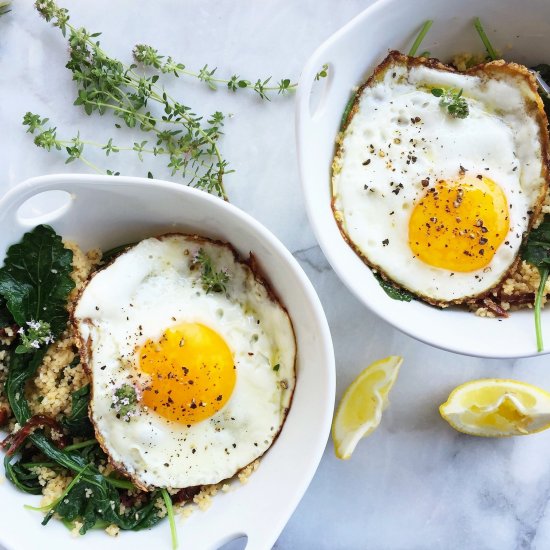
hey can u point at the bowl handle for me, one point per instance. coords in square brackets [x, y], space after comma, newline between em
[15, 198]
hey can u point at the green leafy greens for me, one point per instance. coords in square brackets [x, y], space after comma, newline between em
[537, 252]
[35, 283]
[35, 280]
[392, 291]
[78, 423]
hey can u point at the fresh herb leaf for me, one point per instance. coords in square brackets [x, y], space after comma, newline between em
[78, 423]
[491, 52]
[393, 292]
[277, 367]
[421, 35]
[212, 280]
[453, 101]
[323, 73]
[35, 280]
[536, 252]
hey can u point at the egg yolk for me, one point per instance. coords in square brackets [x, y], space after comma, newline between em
[459, 224]
[192, 373]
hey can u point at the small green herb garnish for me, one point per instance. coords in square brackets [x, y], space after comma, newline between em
[423, 32]
[393, 292]
[33, 337]
[323, 73]
[212, 280]
[124, 401]
[453, 101]
[537, 253]
[276, 367]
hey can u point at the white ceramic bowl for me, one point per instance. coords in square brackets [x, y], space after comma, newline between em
[521, 30]
[105, 211]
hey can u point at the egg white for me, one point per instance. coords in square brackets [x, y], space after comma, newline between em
[399, 135]
[149, 288]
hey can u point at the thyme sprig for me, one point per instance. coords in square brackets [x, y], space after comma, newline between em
[150, 57]
[105, 84]
[453, 101]
[323, 72]
[46, 137]
[33, 336]
[211, 279]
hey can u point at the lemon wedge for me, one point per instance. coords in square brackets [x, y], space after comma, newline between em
[497, 408]
[361, 406]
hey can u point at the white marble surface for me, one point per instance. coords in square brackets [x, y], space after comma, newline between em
[415, 483]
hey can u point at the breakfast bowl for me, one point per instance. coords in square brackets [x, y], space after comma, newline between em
[519, 31]
[105, 212]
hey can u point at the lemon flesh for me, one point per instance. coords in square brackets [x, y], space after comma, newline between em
[360, 409]
[497, 408]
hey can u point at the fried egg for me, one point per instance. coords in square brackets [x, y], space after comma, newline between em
[192, 361]
[440, 204]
